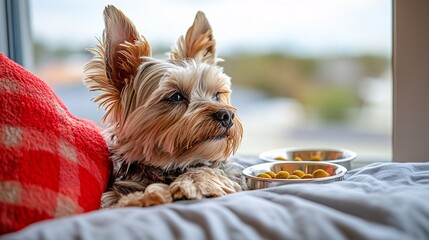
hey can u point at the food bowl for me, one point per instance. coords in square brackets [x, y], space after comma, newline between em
[339, 156]
[254, 182]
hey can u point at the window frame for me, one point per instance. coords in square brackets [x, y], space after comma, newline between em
[16, 43]
[4, 48]
[410, 133]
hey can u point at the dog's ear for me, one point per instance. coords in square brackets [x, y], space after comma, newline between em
[123, 47]
[198, 43]
[115, 62]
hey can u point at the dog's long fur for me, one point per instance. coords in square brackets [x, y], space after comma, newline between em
[170, 125]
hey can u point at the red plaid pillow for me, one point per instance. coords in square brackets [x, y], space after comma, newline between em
[51, 163]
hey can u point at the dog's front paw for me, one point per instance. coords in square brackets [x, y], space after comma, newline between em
[130, 200]
[202, 183]
[154, 194]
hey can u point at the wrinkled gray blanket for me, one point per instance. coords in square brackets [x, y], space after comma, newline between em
[380, 201]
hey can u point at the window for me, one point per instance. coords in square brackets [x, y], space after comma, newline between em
[15, 37]
[305, 73]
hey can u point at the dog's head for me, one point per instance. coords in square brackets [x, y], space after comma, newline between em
[169, 113]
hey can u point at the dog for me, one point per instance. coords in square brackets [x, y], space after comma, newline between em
[170, 126]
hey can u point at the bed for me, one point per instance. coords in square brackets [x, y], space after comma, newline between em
[378, 201]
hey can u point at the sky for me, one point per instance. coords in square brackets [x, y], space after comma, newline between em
[305, 27]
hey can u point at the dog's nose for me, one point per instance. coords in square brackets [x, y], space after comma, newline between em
[225, 117]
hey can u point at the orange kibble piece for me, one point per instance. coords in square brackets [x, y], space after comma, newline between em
[293, 177]
[272, 174]
[298, 173]
[263, 175]
[297, 158]
[315, 158]
[280, 158]
[320, 173]
[306, 176]
[282, 175]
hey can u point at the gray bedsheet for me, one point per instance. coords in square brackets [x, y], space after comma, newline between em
[380, 201]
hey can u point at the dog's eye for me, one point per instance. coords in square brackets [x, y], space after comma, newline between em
[216, 97]
[176, 97]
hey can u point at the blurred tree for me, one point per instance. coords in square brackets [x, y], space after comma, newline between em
[305, 79]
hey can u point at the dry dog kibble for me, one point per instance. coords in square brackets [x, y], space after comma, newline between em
[320, 173]
[306, 176]
[280, 158]
[298, 173]
[315, 158]
[297, 158]
[293, 176]
[282, 175]
[272, 174]
[263, 175]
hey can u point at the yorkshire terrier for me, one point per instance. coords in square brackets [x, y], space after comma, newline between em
[170, 125]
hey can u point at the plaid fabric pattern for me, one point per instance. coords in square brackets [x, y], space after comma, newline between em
[51, 163]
